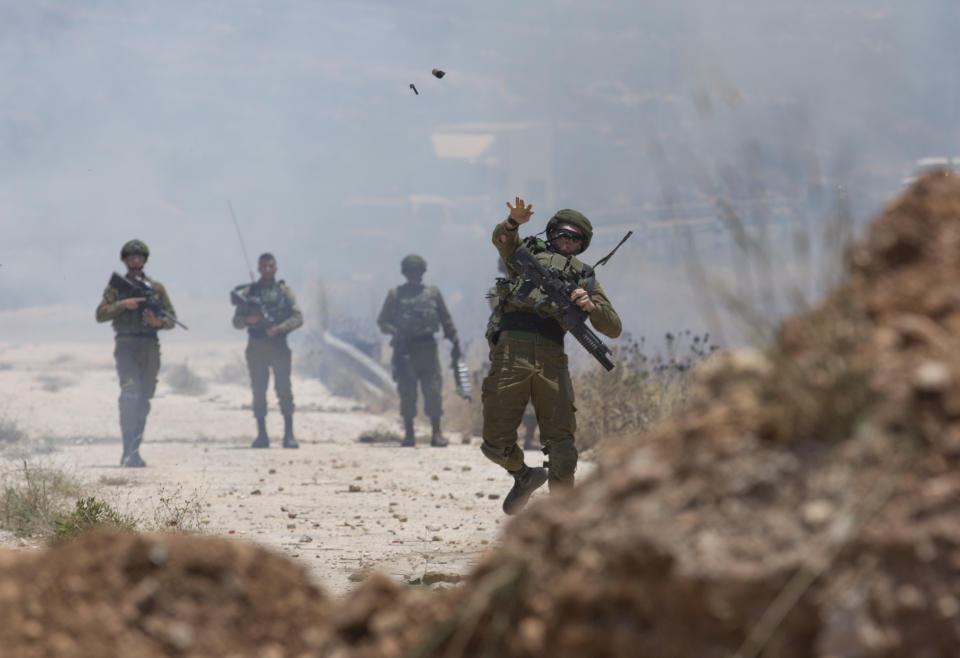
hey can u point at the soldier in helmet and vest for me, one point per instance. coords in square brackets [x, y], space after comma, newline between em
[137, 350]
[269, 313]
[412, 313]
[527, 360]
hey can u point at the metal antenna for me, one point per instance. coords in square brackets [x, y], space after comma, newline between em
[240, 237]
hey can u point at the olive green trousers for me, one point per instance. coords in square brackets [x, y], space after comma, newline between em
[418, 363]
[524, 370]
[263, 355]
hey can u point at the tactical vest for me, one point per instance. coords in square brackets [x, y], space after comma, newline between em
[275, 301]
[570, 268]
[416, 311]
[130, 321]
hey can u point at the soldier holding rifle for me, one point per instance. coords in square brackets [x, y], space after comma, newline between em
[138, 307]
[527, 361]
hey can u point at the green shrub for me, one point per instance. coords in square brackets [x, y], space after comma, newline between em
[89, 513]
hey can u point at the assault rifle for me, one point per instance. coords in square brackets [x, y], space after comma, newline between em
[252, 305]
[142, 288]
[557, 291]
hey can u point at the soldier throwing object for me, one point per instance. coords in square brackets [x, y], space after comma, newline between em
[527, 361]
[269, 311]
[137, 350]
[412, 313]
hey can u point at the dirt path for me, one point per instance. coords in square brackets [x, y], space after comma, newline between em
[337, 505]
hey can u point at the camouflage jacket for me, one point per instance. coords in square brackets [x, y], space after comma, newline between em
[127, 321]
[604, 318]
[278, 300]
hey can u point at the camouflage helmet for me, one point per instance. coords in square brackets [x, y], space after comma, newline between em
[413, 263]
[135, 247]
[567, 216]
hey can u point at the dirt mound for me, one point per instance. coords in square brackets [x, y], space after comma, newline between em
[806, 505]
[110, 594]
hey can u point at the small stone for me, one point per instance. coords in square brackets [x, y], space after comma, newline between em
[158, 554]
[817, 512]
[931, 377]
[948, 606]
[493, 496]
[910, 597]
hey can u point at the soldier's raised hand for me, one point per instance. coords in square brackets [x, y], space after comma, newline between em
[520, 213]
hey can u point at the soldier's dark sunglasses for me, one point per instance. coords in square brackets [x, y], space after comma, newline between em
[565, 233]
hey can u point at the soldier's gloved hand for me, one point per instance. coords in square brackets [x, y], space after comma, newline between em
[455, 351]
[273, 331]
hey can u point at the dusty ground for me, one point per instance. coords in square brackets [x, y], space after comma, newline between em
[337, 506]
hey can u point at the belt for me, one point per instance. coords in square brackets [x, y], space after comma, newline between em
[136, 334]
[532, 323]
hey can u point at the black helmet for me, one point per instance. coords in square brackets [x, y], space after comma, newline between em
[135, 247]
[413, 263]
[578, 219]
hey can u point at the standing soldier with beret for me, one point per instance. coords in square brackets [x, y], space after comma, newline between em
[527, 361]
[268, 310]
[137, 350]
[412, 313]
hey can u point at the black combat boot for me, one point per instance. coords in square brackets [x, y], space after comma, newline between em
[262, 440]
[127, 440]
[525, 482]
[131, 453]
[436, 437]
[408, 439]
[288, 440]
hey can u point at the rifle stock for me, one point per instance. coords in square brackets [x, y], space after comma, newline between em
[558, 291]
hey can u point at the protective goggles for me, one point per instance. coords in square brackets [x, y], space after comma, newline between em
[564, 233]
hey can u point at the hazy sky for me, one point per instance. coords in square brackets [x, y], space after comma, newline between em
[141, 119]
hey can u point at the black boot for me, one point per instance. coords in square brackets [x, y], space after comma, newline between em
[131, 445]
[436, 437]
[525, 482]
[127, 440]
[288, 440]
[408, 439]
[262, 440]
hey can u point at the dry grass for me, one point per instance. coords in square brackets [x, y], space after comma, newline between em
[31, 499]
[646, 387]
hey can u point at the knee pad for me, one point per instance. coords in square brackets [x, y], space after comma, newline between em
[563, 459]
